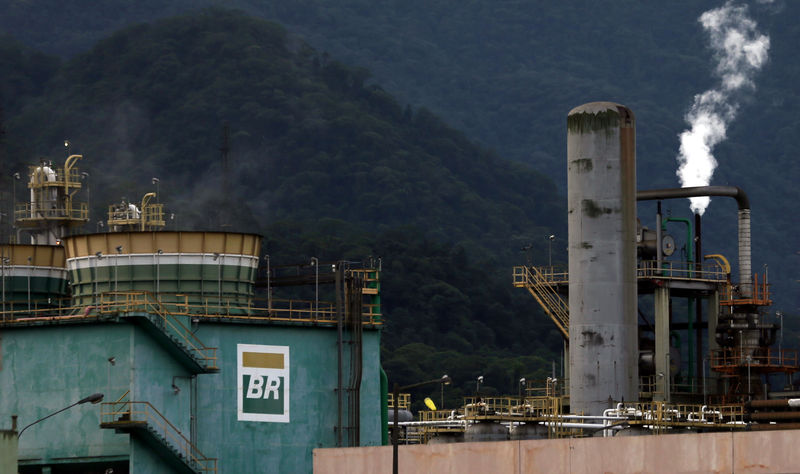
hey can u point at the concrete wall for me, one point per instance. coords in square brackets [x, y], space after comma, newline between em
[740, 452]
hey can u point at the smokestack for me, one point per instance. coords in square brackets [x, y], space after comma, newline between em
[601, 193]
[745, 270]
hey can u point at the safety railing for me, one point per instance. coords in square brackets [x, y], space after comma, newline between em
[549, 387]
[272, 310]
[56, 179]
[125, 414]
[710, 271]
[152, 215]
[403, 400]
[142, 302]
[661, 415]
[730, 296]
[541, 286]
[25, 212]
[733, 359]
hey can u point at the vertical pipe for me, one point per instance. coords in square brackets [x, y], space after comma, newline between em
[385, 407]
[698, 257]
[659, 242]
[340, 349]
[30, 269]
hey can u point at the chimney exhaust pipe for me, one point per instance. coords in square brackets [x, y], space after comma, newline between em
[745, 261]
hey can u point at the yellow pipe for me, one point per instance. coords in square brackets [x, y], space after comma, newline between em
[723, 261]
[145, 200]
[68, 165]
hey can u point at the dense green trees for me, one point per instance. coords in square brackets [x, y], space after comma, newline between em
[323, 163]
[503, 72]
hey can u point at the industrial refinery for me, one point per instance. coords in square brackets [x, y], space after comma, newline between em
[655, 341]
[183, 341]
[203, 367]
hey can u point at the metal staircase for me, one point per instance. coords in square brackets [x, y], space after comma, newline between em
[542, 285]
[165, 326]
[143, 420]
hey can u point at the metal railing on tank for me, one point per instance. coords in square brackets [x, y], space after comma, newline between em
[277, 310]
[115, 302]
[131, 414]
[761, 295]
[404, 400]
[659, 416]
[710, 271]
[274, 309]
[24, 213]
[761, 360]
[37, 310]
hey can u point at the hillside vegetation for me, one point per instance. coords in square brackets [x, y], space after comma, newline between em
[323, 164]
[507, 72]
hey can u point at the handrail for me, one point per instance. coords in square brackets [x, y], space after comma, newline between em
[274, 310]
[732, 359]
[146, 302]
[538, 284]
[144, 412]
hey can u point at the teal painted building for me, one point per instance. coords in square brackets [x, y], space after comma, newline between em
[231, 386]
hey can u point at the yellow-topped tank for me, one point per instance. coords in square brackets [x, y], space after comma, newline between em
[209, 271]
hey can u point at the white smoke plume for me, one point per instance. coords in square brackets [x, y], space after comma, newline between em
[740, 51]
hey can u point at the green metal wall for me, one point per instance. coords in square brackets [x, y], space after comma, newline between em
[45, 292]
[45, 368]
[208, 284]
[249, 446]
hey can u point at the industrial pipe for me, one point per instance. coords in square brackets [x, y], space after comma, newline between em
[774, 416]
[745, 270]
[784, 403]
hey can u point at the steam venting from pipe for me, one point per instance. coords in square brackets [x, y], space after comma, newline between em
[740, 51]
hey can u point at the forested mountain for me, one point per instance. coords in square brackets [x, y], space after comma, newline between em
[503, 72]
[323, 164]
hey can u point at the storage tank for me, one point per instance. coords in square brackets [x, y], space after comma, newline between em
[485, 431]
[214, 272]
[33, 277]
[524, 431]
[601, 189]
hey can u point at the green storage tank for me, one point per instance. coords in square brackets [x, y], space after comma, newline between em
[33, 277]
[208, 272]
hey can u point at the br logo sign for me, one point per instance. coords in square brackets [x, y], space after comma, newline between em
[263, 383]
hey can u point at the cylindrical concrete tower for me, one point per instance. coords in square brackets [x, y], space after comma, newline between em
[601, 189]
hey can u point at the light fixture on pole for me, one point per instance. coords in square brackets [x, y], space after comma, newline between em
[116, 265]
[85, 177]
[269, 287]
[29, 271]
[5, 261]
[156, 181]
[315, 264]
[444, 380]
[14, 179]
[779, 314]
[550, 251]
[217, 258]
[93, 398]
